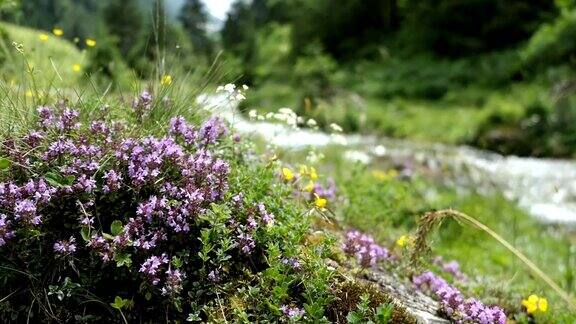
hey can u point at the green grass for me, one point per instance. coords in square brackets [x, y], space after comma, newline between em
[51, 61]
[388, 209]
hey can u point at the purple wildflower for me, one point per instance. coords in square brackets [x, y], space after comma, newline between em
[245, 242]
[151, 266]
[293, 313]
[112, 182]
[453, 304]
[212, 130]
[174, 279]
[363, 247]
[142, 104]
[267, 218]
[214, 276]
[292, 262]
[5, 231]
[25, 210]
[65, 246]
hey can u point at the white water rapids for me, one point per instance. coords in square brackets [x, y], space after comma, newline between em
[545, 188]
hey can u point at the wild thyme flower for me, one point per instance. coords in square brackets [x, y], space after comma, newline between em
[292, 262]
[142, 104]
[214, 276]
[25, 210]
[453, 303]
[245, 242]
[65, 246]
[113, 181]
[6, 232]
[211, 130]
[99, 244]
[150, 267]
[293, 313]
[173, 284]
[364, 249]
[267, 218]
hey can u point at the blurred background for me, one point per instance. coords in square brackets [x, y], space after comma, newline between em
[494, 74]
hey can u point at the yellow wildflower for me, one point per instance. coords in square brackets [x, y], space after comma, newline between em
[76, 68]
[313, 174]
[43, 37]
[320, 202]
[534, 304]
[403, 240]
[90, 42]
[309, 187]
[287, 174]
[166, 80]
[385, 175]
[303, 170]
[29, 94]
[58, 31]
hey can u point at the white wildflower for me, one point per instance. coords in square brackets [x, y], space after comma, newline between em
[336, 128]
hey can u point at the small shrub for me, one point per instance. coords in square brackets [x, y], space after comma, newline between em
[97, 225]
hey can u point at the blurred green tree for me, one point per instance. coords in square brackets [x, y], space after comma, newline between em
[194, 19]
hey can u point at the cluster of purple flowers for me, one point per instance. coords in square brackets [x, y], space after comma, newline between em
[292, 262]
[6, 232]
[451, 267]
[65, 246]
[256, 216]
[142, 104]
[453, 303]
[292, 313]
[170, 180]
[22, 203]
[364, 249]
[328, 191]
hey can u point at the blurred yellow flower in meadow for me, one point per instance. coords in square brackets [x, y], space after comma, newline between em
[534, 304]
[320, 202]
[287, 174]
[402, 241]
[309, 187]
[90, 42]
[43, 37]
[166, 80]
[76, 68]
[385, 175]
[57, 31]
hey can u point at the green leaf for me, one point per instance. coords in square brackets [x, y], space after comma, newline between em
[116, 227]
[5, 163]
[69, 179]
[176, 262]
[85, 232]
[123, 259]
[354, 318]
[54, 179]
[57, 180]
[119, 303]
[108, 236]
[194, 317]
[384, 313]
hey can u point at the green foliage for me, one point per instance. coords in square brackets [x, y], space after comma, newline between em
[124, 22]
[460, 28]
[365, 314]
[194, 18]
[552, 43]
